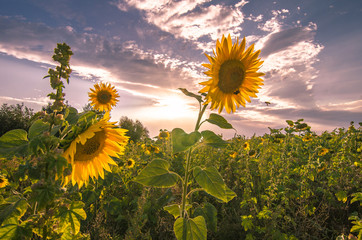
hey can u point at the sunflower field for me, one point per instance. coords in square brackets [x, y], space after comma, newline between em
[77, 175]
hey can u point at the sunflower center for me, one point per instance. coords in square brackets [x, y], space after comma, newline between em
[104, 97]
[1, 180]
[231, 76]
[90, 147]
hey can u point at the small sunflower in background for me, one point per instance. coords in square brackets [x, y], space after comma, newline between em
[164, 134]
[277, 140]
[90, 152]
[323, 151]
[307, 138]
[130, 163]
[234, 76]
[233, 155]
[3, 181]
[252, 153]
[153, 149]
[103, 97]
[246, 146]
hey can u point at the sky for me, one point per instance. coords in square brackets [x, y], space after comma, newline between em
[147, 49]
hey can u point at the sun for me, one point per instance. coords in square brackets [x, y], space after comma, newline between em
[234, 76]
[172, 107]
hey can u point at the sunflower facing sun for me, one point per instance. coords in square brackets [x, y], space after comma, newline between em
[233, 75]
[90, 153]
[103, 97]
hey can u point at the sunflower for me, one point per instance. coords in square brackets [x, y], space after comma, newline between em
[323, 152]
[234, 76]
[246, 146]
[307, 138]
[3, 181]
[90, 153]
[252, 153]
[164, 134]
[233, 155]
[103, 97]
[130, 163]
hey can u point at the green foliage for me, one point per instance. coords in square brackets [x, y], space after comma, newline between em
[136, 131]
[157, 174]
[70, 217]
[190, 94]
[211, 182]
[13, 142]
[209, 212]
[15, 231]
[219, 121]
[191, 228]
[15, 117]
[175, 209]
[213, 140]
[12, 209]
[181, 141]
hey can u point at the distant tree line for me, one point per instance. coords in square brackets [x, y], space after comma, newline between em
[21, 117]
[15, 117]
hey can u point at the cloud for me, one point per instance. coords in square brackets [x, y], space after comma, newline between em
[110, 60]
[274, 23]
[351, 106]
[284, 39]
[34, 103]
[289, 57]
[191, 19]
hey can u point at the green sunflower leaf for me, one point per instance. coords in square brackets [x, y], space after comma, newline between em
[213, 140]
[175, 209]
[71, 115]
[182, 141]
[70, 217]
[219, 121]
[12, 209]
[190, 94]
[42, 194]
[37, 128]
[209, 212]
[190, 229]
[13, 142]
[156, 174]
[211, 181]
[15, 231]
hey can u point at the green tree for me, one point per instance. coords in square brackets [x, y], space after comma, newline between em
[136, 131]
[15, 117]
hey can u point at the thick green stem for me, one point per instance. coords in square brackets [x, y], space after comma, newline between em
[188, 163]
[185, 184]
[200, 117]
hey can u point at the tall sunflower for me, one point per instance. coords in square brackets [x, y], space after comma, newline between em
[103, 97]
[234, 76]
[90, 152]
